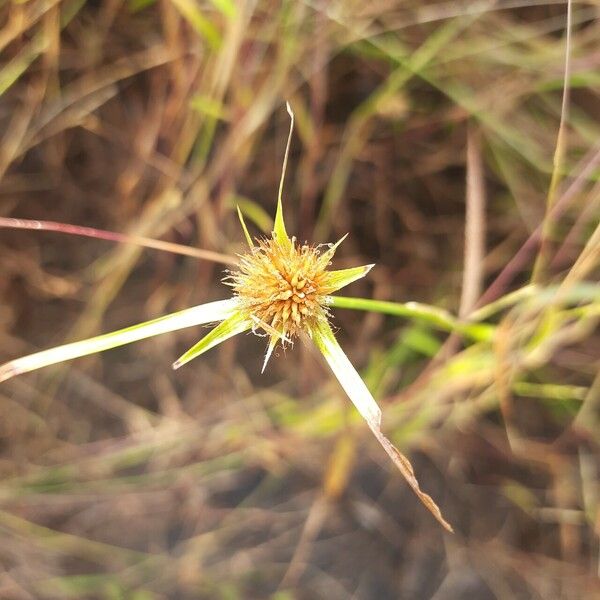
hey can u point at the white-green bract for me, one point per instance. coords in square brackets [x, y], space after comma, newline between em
[280, 287]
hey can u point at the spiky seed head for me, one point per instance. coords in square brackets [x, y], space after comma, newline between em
[283, 288]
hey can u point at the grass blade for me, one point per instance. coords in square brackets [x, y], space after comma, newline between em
[231, 326]
[336, 280]
[362, 398]
[197, 315]
[244, 228]
[279, 226]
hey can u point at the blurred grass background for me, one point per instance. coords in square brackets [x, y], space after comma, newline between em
[428, 131]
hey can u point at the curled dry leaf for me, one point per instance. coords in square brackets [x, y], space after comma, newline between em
[408, 472]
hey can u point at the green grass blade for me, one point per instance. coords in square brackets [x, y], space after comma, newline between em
[336, 280]
[197, 315]
[347, 375]
[279, 226]
[205, 27]
[362, 398]
[244, 228]
[231, 326]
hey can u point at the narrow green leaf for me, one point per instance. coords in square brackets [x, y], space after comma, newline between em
[69, 10]
[13, 69]
[204, 26]
[207, 105]
[346, 374]
[506, 301]
[227, 7]
[197, 315]
[136, 6]
[333, 247]
[254, 213]
[326, 257]
[244, 228]
[231, 326]
[343, 277]
[419, 338]
[358, 392]
[279, 226]
[550, 391]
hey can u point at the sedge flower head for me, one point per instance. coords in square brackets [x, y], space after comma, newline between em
[281, 289]
[284, 287]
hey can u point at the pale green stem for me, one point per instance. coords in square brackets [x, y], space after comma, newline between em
[415, 310]
[542, 297]
[558, 160]
[488, 310]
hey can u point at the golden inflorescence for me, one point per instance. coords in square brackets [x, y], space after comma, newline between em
[283, 287]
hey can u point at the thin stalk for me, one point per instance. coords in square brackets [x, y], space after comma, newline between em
[558, 159]
[415, 310]
[475, 202]
[112, 236]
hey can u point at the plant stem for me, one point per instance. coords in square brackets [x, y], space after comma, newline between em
[437, 317]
